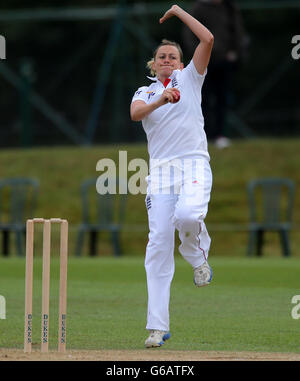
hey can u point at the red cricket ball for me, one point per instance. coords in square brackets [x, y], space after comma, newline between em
[177, 96]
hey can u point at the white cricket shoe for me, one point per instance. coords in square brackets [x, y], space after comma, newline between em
[203, 275]
[157, 338]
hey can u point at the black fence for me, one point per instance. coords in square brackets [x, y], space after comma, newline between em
[70, 73]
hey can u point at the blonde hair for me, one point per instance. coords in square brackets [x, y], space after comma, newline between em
[149, 66]
[164, 42]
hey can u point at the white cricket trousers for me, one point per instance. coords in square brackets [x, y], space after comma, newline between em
[184, 211]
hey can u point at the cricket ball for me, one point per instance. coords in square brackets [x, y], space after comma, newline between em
[177, 97]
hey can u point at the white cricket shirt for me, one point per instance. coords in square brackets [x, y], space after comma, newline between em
[175, 130]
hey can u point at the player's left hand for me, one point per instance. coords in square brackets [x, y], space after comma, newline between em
[170, 13]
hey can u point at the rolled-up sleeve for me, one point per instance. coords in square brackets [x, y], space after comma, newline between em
[140, 94]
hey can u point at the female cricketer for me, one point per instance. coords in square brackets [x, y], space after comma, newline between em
[180, 179]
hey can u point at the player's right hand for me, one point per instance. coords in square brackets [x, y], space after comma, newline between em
[171, 95]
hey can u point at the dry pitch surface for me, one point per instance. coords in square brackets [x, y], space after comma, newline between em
[144, 355]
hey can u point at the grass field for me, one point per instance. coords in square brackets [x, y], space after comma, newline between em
[246, 308]
[60, 171]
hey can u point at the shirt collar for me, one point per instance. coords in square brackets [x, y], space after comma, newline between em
[155, 79]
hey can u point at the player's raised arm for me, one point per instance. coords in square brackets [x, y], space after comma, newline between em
[202, 53]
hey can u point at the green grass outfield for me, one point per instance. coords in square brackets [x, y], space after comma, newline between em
[246, 308]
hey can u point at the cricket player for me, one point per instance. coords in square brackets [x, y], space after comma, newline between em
[180, 179]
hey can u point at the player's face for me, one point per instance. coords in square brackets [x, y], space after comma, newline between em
[166, 60]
